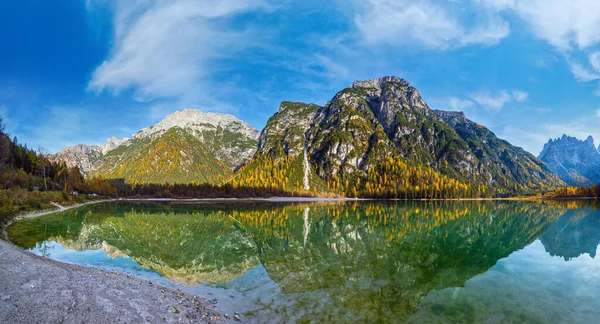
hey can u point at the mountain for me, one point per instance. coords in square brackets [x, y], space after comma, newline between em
[577, 232]
[281, 157]
[187, 146]
[80, 155]
[379, 138]
[576, 162]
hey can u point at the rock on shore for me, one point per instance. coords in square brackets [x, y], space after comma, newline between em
[38, 290]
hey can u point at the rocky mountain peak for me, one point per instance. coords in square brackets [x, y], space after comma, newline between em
[79, 155]
[575, 161]
[452, 117]
[590, 141]
[197, 120]
[380, 83]
[112, 143]
[285, 131]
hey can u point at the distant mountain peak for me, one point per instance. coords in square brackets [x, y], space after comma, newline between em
[577, 162]
[112, 143]
[379, 83]
[79, 155]
[205, 146]
[199, 121]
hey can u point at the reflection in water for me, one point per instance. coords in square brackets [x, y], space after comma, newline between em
[365, 261]
[576, 233]
[306, 224]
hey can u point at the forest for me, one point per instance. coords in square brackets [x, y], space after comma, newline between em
[26, 174]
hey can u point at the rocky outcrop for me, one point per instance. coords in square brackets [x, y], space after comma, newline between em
[387, 117]
[79, 155]
[112, 143]
[284, 134]
[187, 146]
[576, 162]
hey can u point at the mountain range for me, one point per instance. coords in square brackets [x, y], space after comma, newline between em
[186, 147]
[375, 138]
[575, 161]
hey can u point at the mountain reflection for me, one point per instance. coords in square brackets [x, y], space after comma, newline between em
[576, 233]
[376, 261]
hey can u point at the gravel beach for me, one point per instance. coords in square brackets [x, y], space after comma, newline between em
[34, 289]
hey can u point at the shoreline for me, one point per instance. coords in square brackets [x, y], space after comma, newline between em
[270, 199]
[39, 284]
[43, 212]
[40, 290]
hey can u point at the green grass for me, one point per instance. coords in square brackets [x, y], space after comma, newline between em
[16, 201]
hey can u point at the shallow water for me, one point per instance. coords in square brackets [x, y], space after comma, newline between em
[496, 262]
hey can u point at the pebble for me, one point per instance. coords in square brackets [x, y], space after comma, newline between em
[236, 317]
[5, 298]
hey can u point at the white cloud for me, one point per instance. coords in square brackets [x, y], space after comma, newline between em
[530, 141]
[431, 24]
[166, 49]
[495, 101]
[564, 24]
[520, 96]
[582, 73]
[577, 128]
[595, 60]
[569, 25]
[458, 104]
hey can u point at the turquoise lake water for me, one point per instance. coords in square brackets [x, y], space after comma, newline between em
[419, 262]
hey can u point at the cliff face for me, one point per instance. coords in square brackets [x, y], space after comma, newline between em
[387, 117]
[79, 155]
[576, 162]
[187, 146]
[365, 141]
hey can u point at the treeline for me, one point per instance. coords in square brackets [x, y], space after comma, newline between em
[23, 167]
[390, 178]
[394, 178]
[587, 192]
[123, 189]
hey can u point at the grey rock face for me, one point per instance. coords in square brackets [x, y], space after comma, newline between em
[79, 155]
[228, 138]
[576, 162]
[386, 117]
[284, 134]
[112, 143]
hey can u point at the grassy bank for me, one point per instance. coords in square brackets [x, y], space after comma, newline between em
[17, 201]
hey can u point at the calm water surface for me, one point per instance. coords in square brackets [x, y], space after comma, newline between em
[419, 262]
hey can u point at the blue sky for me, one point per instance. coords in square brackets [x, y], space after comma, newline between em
[82, 71]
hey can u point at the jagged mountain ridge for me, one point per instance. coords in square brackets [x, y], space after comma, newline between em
[366, 132]
[80, 155]
[575, 161]
[386, 118]
[187, 146]
[280, 156]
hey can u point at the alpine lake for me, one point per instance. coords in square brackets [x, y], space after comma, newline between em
[354, 262]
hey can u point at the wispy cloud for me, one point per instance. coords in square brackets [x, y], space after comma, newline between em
[578, 128]
[528, 140]
[564, 24]
[495, 101]
[166, 49]
[582, 73]
[458, 104]
[595, 60]
[570, 26]
[431, 24]
[520, 96]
